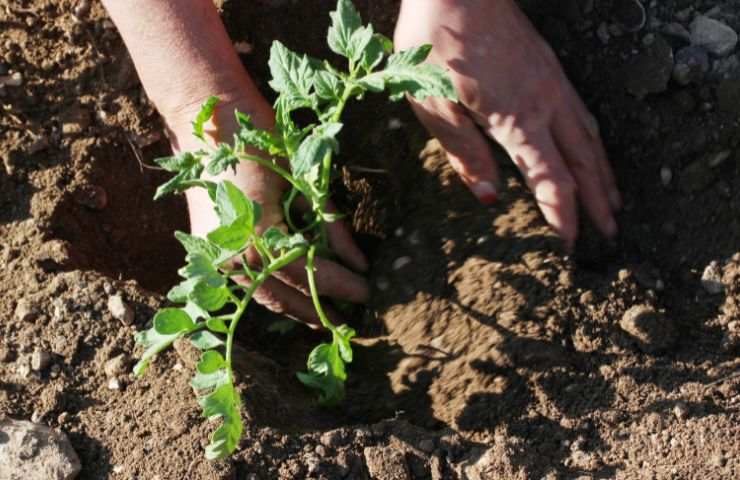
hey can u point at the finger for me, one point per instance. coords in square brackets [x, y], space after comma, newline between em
[581, 156]
[591, 126]
[466, 147]
[547, 175]
[340, 239]
[285, 300]
[332, 280]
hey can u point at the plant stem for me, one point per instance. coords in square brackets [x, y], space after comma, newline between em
[272, 166]
[241, 305]
[314, 291]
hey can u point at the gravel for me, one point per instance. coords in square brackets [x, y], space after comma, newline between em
[120, 310]
[717, 37]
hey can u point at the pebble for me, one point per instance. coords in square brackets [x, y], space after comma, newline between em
[401, 262]
[648, 327]
[394, 124]
[114, 384]
[691, 64]
[666, 175]
[719, 158]
[414, 238]
[717, 37]
[25, 311]
[82, 9]
[91, 196]
[602, 32]
[681, 410]
[40, 359]
[382, 283]
[13, 80]
[243, 48]
[651, 70]
[120, 310]
[386, 463]
[116, 366]
[32, 451]
[587, 297]
[399, 232]
[711, 279]
[630, 14]
[676, 30]
[333, 438]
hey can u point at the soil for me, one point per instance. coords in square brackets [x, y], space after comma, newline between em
[487, 351]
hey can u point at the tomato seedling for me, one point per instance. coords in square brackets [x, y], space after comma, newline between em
[207, 289]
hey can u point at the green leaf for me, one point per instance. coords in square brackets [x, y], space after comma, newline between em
[195, 312]
[328, 85]
[292, 75]
[196, 245]
[210, 361]
[179, 293]
[205, 340]
[342, 337]
[170, 321]
[231, 203]
[234, 237]
[379, 46]
[222, 159]
[154, 342]
[346, 22]
[405, 73]
[217, 325]
[315, 147]
[326, 373]
[249, 135]
[205, 114]
[223, 403]
[201, 267]
[209, 298]
[277, 240]
[178, 163]
[186, 178]
[208, 381]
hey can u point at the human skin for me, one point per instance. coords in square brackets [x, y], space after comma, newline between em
[510, 85]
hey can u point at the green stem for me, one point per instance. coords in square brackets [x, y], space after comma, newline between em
[314, 291]
[272, 166]
[241, 305]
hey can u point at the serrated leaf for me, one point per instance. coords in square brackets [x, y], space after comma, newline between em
[196, 245]
[326, 373]
[171, 321]
[223, 403]
[222, 159]
[209, 298]
[201, 267]
[234, 237]
[328, 85]
[405, 74]
[277, 240]
[249, 135]
[185, 179]
[345, 22]
[179, 293]
[343, 337]
[205, 114]
[178, 163]
[376, 49]
[195, 312]
[292, 74]
[210, 361]
[315, 147]
[205, 340]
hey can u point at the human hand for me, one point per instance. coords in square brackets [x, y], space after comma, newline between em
[287, 292]
[511, 87]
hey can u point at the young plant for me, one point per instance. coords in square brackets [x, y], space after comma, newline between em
[212, 304]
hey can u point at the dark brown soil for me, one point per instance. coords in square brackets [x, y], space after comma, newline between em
[487, 353]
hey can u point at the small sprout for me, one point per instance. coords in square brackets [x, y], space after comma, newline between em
[210, 303]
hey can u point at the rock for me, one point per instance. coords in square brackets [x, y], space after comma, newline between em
[120, 310]
[728, 95]
[82, 9]
[681, 410]
[718, 158]
[116, 366]
[13, 80]
[666, 175]
[676, 30]
[93, 197]
[35, 452]
[718, 38]
[386, 463]
[649, 328]
[40, 359]
[74, 120]
[691, 64]
[334, 438]
[711, 279]
[114, 384]
[401, 262]
[25, 311]
[629, 14]
[651, 70]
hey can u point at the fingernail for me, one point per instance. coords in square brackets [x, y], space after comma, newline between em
[485, 192]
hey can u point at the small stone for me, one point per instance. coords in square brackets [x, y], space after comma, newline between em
[651, 70]
[74, 120]
[401, 262]
[676, 30]
[666, 175]
[82, 9]
[6, 354]
[394, 124]
[333, 438]
[719, 158]
[33, 451]
[659, 285]
[681, 410]
[691, 64]
[13, 80]
[587, 297]
[565, 278]
[25, 311]
[649, 328]
[120, 310]
[623, 275]
[426, 445]
[114, 384]
[116, 366]
[414, 238]
[382, 283]
[717, 37]
[630, 15]
[243, 48]
[399, 232]
[602, 32]
[711, 279]
[386, 463]
[93, 197]
[40, 359]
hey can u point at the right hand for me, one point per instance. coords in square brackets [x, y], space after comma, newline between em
[287, 292]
